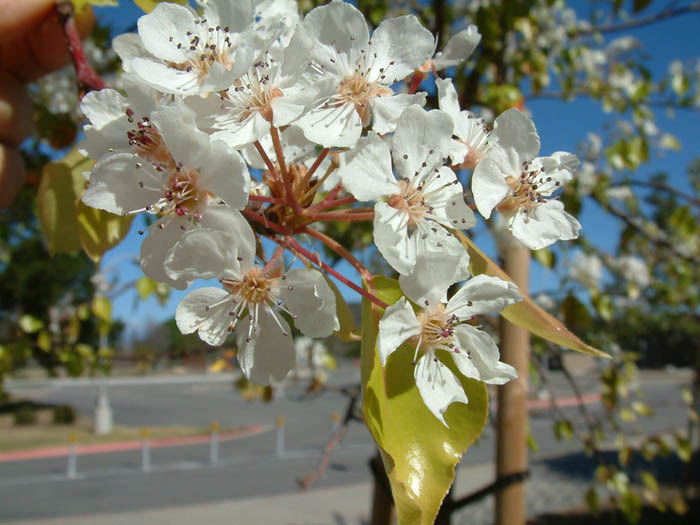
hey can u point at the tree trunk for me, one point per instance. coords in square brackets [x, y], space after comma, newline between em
[512, 417]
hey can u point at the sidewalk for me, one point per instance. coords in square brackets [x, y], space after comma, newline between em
[547, 490]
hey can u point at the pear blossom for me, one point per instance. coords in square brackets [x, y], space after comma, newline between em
[187, 54]
[112, 116]
[269, 93]
[469, 129]
[174, 171]
[439, 330]
[517, 183]
[248, 301]
[424, 200]
[354, 73]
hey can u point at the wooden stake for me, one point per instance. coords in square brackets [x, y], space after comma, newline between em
[512, 417]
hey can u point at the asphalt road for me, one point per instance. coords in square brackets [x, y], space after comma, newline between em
[249, 467]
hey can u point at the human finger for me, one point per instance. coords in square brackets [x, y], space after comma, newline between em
[16, 120]
[40, 46]
[11, 175]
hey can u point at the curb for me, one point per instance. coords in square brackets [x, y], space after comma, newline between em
[135, 444]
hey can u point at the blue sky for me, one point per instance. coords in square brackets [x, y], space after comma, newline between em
[561, 126]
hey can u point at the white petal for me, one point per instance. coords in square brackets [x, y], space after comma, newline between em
[458, 49]
[164, 78]
[544, 226]
[205, 311]
[203, 254]
[103, 107]
[342, 30]
[391, 237]
[166, 21]
[312, 301]
[386, 110]
[268, 354]
[438, 386]
[114, 184]
[483, 294]
[446, 197]
[447, 97]
[430, 278]
[222, 218]
[419, 132]
[128, 46]
[398, 324]
[176, 124]
[157, 245]
[393, 55]
[366, 170]
[238, 15]
[488, 186]
[339, 126]
[517, 135]
[482, 362]
[225, 174]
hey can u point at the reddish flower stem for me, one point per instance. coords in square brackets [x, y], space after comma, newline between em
[314, 167]
[415, 82]
[262, 220]
[288, 191]
[343, 215]
[262, 198]
[329, 201]
[344, 253]
[266, 159]
[88, 79]
[278, 252]
[316, 259]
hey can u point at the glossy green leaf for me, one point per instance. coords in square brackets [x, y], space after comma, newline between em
[526, 313]
[100, 230]
[149, 5]
[348, 331]
[62, 183]
[418, 451]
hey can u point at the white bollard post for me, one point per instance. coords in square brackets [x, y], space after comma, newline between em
[72, 466]
[280, 437]
[103, 420]
[145, 450]
[214, 443]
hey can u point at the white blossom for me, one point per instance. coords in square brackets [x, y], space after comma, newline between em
[249, 301]
[516, 182]
[354, 74]
[438, 332]
[586, 269]
[426, 197]
[189, 54]
[175, 172]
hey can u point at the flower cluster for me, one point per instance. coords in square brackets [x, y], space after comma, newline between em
[243, 128]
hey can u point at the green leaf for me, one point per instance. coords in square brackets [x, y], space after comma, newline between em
[545, 257]
[348, 331]
[30, 324]
[61, 185]
[145, 286]
[100, 230]
[79, 5]
[43, 341]
[418, 451]
[526, 313]
[149, 5]
[102, 308]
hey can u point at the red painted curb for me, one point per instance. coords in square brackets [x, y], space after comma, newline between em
[119, 446]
